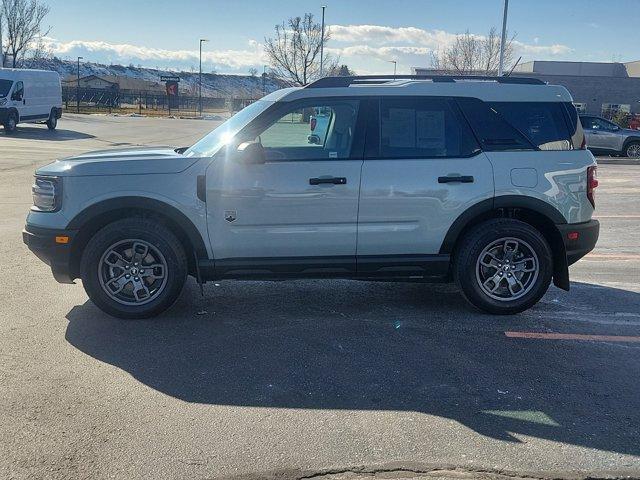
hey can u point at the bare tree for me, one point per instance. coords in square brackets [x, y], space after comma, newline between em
[294, 50]
[336, 70]
[23, 19]
[474, 55]
[253, 71]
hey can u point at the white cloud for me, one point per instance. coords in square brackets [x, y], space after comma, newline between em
[104, 52]
[364, 48]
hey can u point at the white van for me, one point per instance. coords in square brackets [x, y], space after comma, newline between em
[29, 96]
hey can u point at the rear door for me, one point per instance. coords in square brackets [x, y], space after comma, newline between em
[423, 168]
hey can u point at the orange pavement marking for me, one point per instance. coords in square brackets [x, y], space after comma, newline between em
[572, 336]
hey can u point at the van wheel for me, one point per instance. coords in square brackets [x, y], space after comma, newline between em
[52, 123]
[11, 123]
[503, 266]
[633, 150]
[134, 268]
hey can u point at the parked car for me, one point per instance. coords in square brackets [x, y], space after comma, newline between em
[485, 182]
[605, 137]
[29, 96]
[319, 125]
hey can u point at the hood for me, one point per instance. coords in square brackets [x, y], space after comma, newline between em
[137, 161]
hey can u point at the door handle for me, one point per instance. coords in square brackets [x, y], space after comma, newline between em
[456, 179]
[24, 102]
[330, 180]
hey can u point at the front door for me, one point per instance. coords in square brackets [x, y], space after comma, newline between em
[424, 170]
[297, 211]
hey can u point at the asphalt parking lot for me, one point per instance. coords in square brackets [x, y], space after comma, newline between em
[312, 378]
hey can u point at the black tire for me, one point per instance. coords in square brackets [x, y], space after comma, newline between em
[52, 122]
[11, 124]
[632, 150]
[154, 234]
[466, 267]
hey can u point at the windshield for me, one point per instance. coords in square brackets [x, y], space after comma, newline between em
[222, 135]
[5, 86]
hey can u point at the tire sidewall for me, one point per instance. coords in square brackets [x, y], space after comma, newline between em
[52, 123]
[156, 235]
[481, 238]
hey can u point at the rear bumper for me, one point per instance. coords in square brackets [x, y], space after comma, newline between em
[42, 242]
[587, 236]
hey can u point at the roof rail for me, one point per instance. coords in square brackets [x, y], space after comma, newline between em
[332, 82]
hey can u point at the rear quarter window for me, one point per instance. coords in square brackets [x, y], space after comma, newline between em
[543, 123]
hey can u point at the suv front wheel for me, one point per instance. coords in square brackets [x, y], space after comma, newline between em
[134, 268]
[503, 266]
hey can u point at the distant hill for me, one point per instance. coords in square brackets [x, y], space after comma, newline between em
[213, 84]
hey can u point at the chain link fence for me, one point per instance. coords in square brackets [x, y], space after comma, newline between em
[153, 103]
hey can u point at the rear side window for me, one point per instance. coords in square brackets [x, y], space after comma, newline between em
[423, 127]
[493, 132]
[543, 123]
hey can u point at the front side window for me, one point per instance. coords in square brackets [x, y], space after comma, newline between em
[543, 123]
[18, 91]
[595, 123]
[423, 127]
[311, 131]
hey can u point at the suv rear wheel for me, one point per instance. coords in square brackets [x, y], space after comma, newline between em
[503, 266]
[134, 268]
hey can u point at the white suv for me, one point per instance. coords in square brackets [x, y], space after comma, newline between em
[484, 181]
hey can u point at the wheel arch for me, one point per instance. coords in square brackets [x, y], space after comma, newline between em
[532, 211]
[629, 140]
[96, 216]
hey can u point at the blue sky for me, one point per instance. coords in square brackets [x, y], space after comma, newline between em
[165, 33]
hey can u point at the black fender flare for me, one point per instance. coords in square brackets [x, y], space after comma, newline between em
[485, 209]
[143, 203]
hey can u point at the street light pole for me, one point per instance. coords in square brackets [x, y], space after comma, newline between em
[322, 43]
[200, 78]
[395, 67]
[504, 38]
[78, 87]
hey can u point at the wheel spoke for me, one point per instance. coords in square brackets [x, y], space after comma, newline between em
[512, 282]
[114, 259]
[139, 251]
[118, 282]
[496, 279]
[156, 270]
[139, 286]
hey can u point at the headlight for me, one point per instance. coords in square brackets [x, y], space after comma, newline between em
[47, 194]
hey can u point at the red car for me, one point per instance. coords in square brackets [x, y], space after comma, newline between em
[634, 124]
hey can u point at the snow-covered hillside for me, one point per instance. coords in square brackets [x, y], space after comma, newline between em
[215, 85]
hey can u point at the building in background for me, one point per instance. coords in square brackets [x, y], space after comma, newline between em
[600, 88]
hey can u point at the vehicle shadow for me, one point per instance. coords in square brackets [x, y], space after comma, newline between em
[377, 346]
[41, 132]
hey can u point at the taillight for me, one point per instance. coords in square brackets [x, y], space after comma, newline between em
[314, 122]
[592, 183]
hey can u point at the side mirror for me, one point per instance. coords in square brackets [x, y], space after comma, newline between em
[250, 153]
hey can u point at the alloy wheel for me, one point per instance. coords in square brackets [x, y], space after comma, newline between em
[132, 272]
[507, 269]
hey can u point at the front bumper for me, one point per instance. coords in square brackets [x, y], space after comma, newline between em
[587, 236]
[42, 242]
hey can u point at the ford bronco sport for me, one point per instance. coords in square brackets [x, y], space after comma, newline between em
[481, 181]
